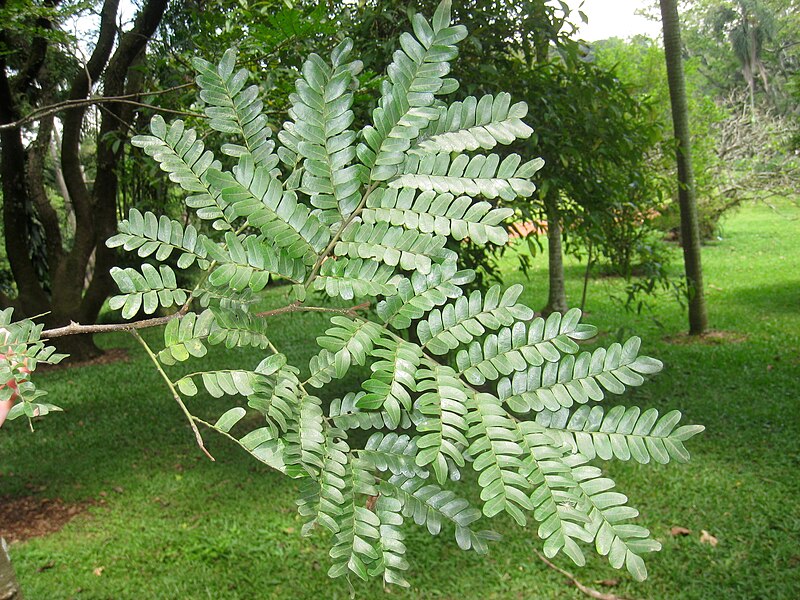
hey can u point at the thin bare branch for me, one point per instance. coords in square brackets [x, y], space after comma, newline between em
[591, 592]
[52, 109]
[78, 329]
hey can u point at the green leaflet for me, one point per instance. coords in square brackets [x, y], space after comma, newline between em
[513, 349]
[561, 523]
[187, 336]
[349, 278]
[443, 404]
[372, 543]
[347, 343]
[346, 415]
[440, 214]
[234, 109]
[321, 499]
[183, 156]
[148, 235]
[259, 443]
[305, 440]
[480, 175]
[621, 433]
[219, 383]
[354, 545]
[393, 379]
[416, 74]
[394, 453]
[418, 294]
[255, 194]
[391, 548]
[496, 450]
[277, 393]
[551, 385]
[146, 290]
[395, 246]
[224, 298]
[251, 263]
[184, 337]
[465, 319]
[431, 506]
[621, 542]
[319, 133]
[474, 124]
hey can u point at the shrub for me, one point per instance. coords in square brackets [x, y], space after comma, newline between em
[347, 214]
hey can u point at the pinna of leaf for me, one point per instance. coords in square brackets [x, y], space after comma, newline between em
[365, 213]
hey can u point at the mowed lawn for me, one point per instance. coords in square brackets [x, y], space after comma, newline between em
[167, 523]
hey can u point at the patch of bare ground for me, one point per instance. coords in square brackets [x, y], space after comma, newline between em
[30, 516]
[709, 338]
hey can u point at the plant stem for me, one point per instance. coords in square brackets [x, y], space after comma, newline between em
[345, 223]
[175, 395]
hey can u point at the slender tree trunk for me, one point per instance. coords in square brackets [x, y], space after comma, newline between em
[557, 294]
[586, 273]
[690, 234]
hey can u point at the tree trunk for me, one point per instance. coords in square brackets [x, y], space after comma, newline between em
[93, 214]
[557, 294]
[9, 588]
[690, 234]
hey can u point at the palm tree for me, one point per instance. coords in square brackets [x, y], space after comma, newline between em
[690, 235]
[748, 24]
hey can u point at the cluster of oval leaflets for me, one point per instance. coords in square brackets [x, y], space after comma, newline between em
[482, 384]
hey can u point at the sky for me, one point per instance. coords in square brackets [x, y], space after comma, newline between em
[615, 18]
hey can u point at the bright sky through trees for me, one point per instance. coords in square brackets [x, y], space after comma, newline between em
[615, 18]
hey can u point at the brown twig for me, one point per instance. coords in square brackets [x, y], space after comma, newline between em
[78, 329]
[591, 592]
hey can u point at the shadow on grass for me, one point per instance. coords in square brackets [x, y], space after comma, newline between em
[783, 297]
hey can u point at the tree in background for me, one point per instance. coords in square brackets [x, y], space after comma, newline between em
[64, 270]
[598, 171]
[690, 233]
[69, 279]
[747, 46]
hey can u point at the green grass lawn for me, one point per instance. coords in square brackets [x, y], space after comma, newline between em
[174, 525]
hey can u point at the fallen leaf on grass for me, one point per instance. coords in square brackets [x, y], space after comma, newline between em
[608, 582]
[707, 538]
[98, 571]
[678, 530]
[46, 566]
